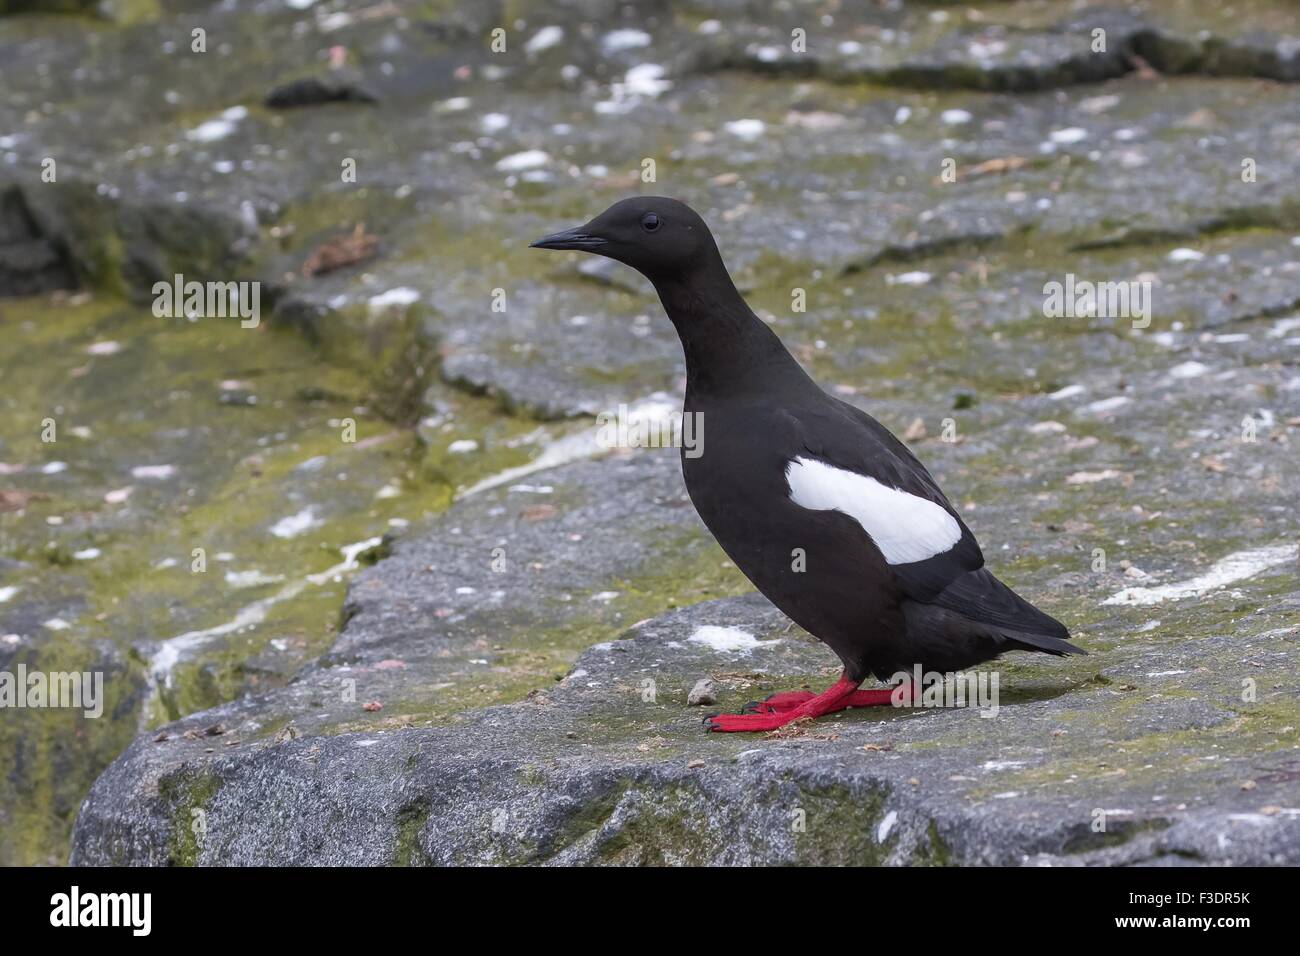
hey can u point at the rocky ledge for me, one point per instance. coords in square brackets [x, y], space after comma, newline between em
[1148, 751]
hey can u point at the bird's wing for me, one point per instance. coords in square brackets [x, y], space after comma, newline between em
[849, 440]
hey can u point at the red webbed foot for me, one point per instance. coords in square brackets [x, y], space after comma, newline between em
[753, 723]
[790, 699]
[781, 709]
[786, 700]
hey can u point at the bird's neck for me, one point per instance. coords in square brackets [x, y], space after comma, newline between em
[729, 350]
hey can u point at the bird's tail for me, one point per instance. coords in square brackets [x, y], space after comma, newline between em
[1043, 642]
[979, 596]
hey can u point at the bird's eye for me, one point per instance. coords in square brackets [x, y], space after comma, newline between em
[649, 222]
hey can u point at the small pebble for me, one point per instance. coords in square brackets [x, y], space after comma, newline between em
[702, 693]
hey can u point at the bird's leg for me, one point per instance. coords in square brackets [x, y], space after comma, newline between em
[837, 698]
[788, 700]
[878, 697]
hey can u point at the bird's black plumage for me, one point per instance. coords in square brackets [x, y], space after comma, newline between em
[881, 614]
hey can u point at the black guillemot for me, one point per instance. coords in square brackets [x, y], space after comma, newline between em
[889, 576]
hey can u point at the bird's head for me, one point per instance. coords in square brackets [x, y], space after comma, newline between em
[660, 238]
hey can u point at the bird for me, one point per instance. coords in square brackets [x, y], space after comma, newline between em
[829, 515]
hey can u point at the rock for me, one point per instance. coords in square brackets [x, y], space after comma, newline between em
[48, 6]
[1111, 740]
[30, 262]
[703, 692]
[898, 50]
[506, 784]
[333, 87]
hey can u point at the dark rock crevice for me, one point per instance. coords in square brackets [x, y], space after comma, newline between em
[31, 262]
[1036, 60]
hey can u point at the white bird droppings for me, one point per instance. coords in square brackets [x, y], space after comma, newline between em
[1072, 134]
[544, 39]
[909, 278]
[220, 128]
[727, 640]
[886, 825]
[1092, 477]
[1237, 566]
[1189, 370]
[400, 297]
[645, 79]
[745, 128]
[157, 472]
[994, 765]
[528, 159]
[618, 40]
[251, 579]
[1068, 392]
[294, 525]
[1106, 405]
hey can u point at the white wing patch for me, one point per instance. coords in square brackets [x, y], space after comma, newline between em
[904, 527]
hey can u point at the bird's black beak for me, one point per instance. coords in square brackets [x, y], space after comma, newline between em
[569, 239]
